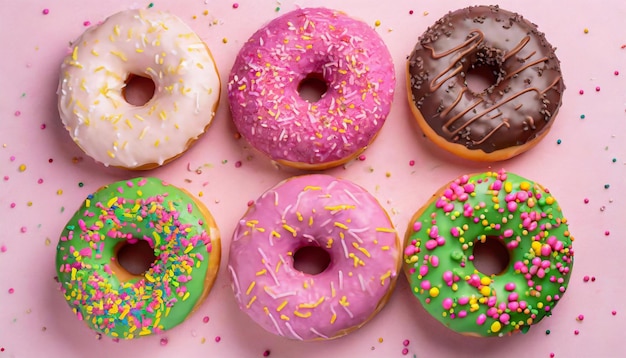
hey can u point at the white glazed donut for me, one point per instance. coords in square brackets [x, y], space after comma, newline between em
[147, 43]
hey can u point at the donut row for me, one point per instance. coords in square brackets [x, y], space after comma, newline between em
[344, 56]
[344, 223]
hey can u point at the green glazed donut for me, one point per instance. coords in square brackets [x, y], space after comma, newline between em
[439, 257]
[115, 302]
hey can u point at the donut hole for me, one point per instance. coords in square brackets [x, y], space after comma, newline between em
[481, 77]
[491, 257]
[138, 90]
[311, 260]
[135, 257]
[312, 87]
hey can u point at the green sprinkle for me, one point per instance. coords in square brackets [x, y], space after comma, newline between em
[150, 5]
[547, 331]
[558, 141]
[614, 160]
[80, 184]
[606, 186]
[277, 8]
[582, 116]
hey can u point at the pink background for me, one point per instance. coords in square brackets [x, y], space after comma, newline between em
[35, 203]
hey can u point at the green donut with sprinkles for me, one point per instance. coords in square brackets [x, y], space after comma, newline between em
[103, 293]
[513, 212]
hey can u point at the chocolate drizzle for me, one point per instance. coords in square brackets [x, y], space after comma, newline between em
[521, 103]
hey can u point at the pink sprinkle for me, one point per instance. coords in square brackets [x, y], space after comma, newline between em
[362, 157]
[411, 162]
[581, 92]
[238, 164]
[86, 23]
[551, 355]
[218, 338]
[11, 290]
[586, 201]
[43, 126]
[266, 353]
[12, 158]
[597, 88]
[576, 332]
[580, 317]
[410, 12]
[18, 113]
[12, 205]
[405, 351]
[235, 5]
[205, 319]
[405, 343]
[3, 248]
[45, 11]
[39, 181]
[607, 233]
[163, 341]
[23, 229]
[613, 312]
[250, 203]
[616, 73]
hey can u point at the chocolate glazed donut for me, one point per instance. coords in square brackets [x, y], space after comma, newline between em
[508, 117]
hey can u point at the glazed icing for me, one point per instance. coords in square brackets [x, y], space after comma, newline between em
[346, 53]
[522, 215]
[314, 210]
[148, 43]
[138, 209]
[517, 108]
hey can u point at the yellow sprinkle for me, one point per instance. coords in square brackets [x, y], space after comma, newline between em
[377, 23]
[524, 185]
[302, 315]
[341, 225]
[385, 229]
[252, 284]
[485, 281]
[163, 115]
[496, 326]
[281, 306]
[225, 40]
[312, 305]
[94, 52]
[275, 234]
[290, 229]
[111, 201]
[128, 123]
[22, 167]
[485, 291]
[508, 187]
[586, 30]
[385, 276]
[251, 301]
[120, 55]
[75, 54]
[549, 200]
[186, 296]
[309, 187]
[125, 312]
[262, 272]
[333, 318]
[384, 248]
[156, 143]
[284, 318]
[344, 301]
[536, 246]
[433, 292]
[339, 207]
[242, 87]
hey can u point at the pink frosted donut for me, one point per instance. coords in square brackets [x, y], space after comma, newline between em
[314, 211]
[327, 45]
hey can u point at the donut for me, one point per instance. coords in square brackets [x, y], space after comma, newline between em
[515, 213]
[518, 106]
[124, 305]
[149, 44]
[312, 44]
[330, 214]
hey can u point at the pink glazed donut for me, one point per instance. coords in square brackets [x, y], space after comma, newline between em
[318, 211]
[312, 43]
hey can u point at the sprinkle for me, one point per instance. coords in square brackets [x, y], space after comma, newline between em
[607, 233]
[558, 141]
[606, 186]
[582, 116]
[218, 339]
[150, 5]
[547, 331]
[616, 73]
[22, 167]
[11, 290]
[581, 92]
[377, 23]
[405, 342]
[586, 201]
[205, 319]
[236, 5]
[23, 229]
[163, 341]
[17, 113]
[410, 12]
[224, 40]
[45, 11]
[576, 332]
[586, 30]
[362, 157]
[580, 317]
[411, 162]
[597, 88]
[405, 351]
